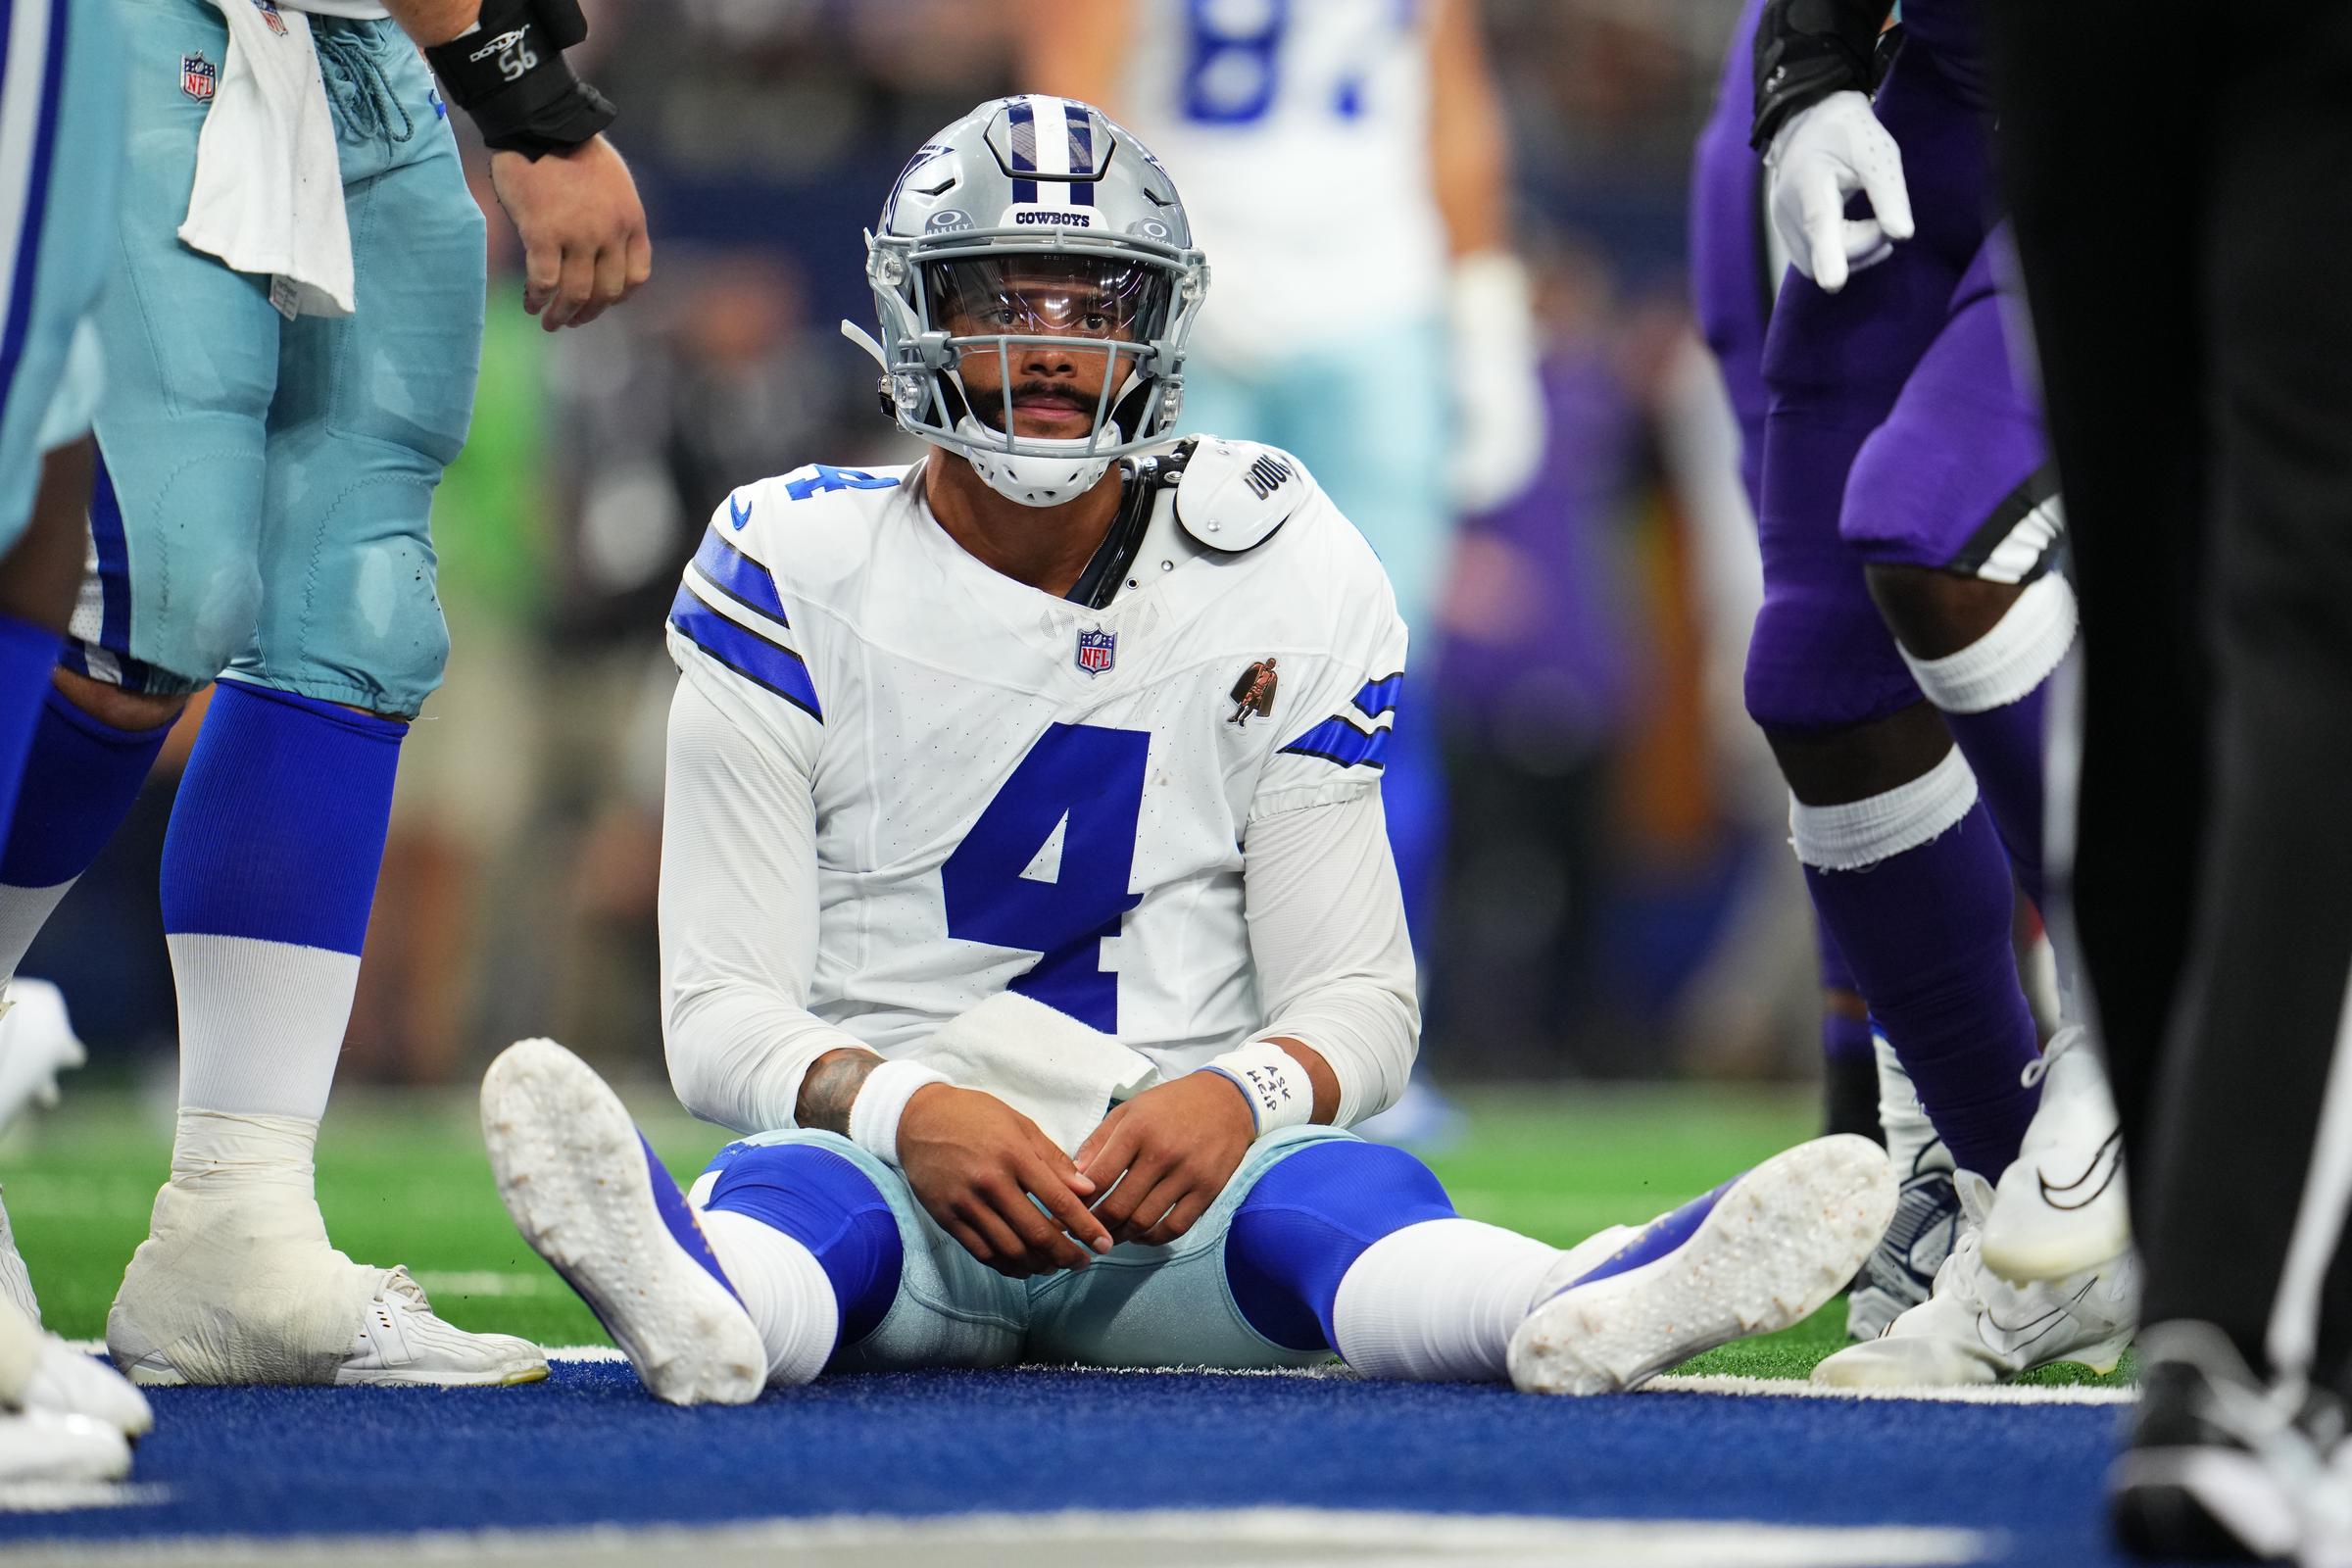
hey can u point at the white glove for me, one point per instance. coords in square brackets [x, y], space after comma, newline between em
[1497, 394]
[1824, 154]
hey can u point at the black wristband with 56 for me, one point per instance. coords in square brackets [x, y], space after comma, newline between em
[509, 75]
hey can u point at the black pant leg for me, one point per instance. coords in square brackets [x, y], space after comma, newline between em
[2248, 1070]
[2100, 157]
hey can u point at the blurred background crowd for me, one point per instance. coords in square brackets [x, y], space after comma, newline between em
[1619, 898]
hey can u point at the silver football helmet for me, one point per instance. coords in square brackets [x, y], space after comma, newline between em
[1028, 224]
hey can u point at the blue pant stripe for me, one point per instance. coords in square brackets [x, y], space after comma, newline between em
[113, 562]
[36, 197]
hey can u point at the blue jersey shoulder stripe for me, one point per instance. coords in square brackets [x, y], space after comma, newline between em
[1335, 740]
[1380, 696]
[739, 576]
[745, 651]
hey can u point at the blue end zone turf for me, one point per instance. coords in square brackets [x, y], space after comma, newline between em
[588, 1447]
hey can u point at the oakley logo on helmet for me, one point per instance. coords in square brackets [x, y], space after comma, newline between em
[947, 219]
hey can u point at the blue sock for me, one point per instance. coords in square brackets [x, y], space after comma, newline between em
[1307, 1220]
[268, 872]
[27, 653]
[1926, 936]
[80, 777]
[826, 1203]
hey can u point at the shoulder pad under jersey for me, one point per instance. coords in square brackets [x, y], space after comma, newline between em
[1234, 494]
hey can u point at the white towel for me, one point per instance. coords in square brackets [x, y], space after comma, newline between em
[268, 195]
[1045, 1065]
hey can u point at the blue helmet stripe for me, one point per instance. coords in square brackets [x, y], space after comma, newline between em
[1082, 154]
[1022, 119]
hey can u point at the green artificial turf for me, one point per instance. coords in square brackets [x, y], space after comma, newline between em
[403, 1180]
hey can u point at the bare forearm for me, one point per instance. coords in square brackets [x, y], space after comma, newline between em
[830, 1088]
[433, 21]
[1469, 146]
[1318, 1073]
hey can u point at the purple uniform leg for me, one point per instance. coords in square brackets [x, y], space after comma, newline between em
[1958, 478]
[1912, 884]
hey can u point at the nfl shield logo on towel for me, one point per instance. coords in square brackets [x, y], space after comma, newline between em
[196, 78]
[1095, 648]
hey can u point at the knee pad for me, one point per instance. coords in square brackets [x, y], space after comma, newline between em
[1820, 657]
[1308, 1219]
[827, 1205]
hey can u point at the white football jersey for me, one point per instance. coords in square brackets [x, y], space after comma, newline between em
[1015, 790]
[1297, 133]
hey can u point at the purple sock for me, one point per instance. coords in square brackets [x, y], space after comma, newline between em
[2004, 749]
[1926, 935]
[27, 653]
[1849, 1066]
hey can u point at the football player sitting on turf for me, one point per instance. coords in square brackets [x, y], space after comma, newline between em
[969, 839]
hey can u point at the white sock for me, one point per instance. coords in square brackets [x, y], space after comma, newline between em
[261, 1024]
[1912, 1145]
[23, 914]
[785, 1290]
[1438, 1301]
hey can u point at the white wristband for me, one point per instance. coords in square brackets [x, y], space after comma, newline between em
[881, 1100]
[1279, 1091]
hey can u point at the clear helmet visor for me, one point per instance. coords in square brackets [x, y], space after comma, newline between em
[1044, 346]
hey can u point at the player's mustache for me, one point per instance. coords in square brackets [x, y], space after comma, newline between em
[989, 404]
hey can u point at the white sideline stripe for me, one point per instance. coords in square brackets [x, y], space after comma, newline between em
[1710, 1383]
[1799, 1389]
[1296, 1538]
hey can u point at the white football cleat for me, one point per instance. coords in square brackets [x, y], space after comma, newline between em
[43, 1447]
[36, 1043]
[2061, 1209]
[1756, 1254]
[69, 1382]
[1902, 1269]
[586, 1192]
[238, 1284]
[1977, 1328]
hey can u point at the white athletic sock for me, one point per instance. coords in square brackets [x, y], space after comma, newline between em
[23, 914]
[261, 1024]
[1438, 1301]
[785, 1290]
[1912, 1145]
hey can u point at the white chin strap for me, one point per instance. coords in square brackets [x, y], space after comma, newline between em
[1032, 478]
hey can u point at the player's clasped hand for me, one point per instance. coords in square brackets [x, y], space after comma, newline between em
[1164, 1155]
[974, 1163]
[584, 241]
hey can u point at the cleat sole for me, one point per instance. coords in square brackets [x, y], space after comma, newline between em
[1784, 1239]
[567, 1154]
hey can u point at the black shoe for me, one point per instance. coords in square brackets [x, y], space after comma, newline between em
[2217, 1463]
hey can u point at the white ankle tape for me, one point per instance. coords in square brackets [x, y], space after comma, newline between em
[2008, 661]
[1860, 833]
[881, 1100]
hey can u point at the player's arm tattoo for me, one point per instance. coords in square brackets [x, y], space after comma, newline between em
[829, 1087]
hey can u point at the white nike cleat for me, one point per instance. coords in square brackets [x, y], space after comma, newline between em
[37, 1044]
[586, 1192]
[404, 1343]
[1756, 1254]
[49, 1447]
[239, 1284]
[1977, 1328]
[67, 1382]
[1902, 1269]
[2061, 1209]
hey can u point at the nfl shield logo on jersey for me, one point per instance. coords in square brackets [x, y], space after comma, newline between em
[1095, 648]
[196, 78]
